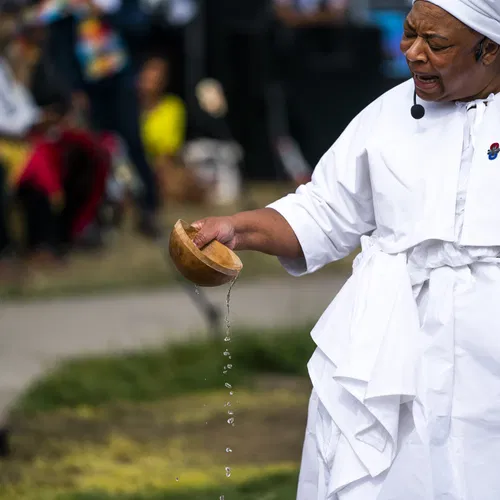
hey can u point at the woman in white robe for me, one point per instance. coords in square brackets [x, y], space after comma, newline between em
[406, 374]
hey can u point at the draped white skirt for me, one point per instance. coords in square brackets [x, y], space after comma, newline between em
[406, 376]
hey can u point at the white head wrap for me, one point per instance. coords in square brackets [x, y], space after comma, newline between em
[482, 16]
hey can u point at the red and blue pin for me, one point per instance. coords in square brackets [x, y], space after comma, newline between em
[494, 151]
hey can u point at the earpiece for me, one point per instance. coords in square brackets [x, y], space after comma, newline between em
[479, 53]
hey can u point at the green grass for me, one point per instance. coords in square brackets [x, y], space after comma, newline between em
[273, 487]
[174, 370]
[125, 427]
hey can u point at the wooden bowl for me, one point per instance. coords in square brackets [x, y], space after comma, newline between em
[213, 265]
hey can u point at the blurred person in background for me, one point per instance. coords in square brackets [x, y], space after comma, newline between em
[8, 28]
[91, 54]
[164, 123]
[21, 119]
[322, 48]
[304, 30]
[211, 150]
[55, 171]
[163, 113]
[296, 35]
[238, 58]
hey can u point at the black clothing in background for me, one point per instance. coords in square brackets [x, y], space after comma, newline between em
[238, 56]
[48, 88]
[4, 228]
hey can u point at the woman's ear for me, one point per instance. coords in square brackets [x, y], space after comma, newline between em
[490, 53]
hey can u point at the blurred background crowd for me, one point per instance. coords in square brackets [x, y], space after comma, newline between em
[108, 104]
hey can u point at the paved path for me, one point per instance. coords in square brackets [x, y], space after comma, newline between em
[35, 336]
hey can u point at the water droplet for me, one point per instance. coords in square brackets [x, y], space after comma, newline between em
[229, 450]
[231, 393]
[228, 471]
[230, 357]
[196, 290]
[228, 300]
[230, 420]
[230, 412]
[227, 339]
[227, 404]
[229, 367]
[227, 353]
[224, 372]
[177, 479]
[229, 386]
[221, 497]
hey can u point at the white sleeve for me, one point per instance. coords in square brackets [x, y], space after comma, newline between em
[331, 213]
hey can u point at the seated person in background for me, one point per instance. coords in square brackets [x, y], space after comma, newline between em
[212, 151]
[58, 196]
[85, 156]
[210, 114]
[19, 119]
[163, 121]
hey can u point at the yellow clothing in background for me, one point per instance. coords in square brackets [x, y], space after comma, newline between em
[164, 127]
[14, 155]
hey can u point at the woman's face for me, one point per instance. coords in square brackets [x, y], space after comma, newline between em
[153, 77]
[212, 100]
[441, 54]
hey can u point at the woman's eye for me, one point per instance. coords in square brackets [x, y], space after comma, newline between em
[409, 34]
[437, 49]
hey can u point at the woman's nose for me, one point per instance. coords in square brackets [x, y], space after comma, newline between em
[416, 52]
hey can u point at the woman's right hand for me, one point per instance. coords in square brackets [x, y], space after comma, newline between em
[262, 230]
[221, 229]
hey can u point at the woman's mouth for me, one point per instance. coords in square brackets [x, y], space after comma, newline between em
[426, 82]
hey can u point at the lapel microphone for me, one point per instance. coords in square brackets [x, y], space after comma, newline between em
[417, 110]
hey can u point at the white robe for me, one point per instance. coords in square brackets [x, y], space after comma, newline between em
[406, 374]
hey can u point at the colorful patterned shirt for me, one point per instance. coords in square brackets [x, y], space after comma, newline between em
[99, 49]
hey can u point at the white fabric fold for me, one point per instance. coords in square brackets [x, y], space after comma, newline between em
[364, 366]
[482, 16]
[376, 354]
